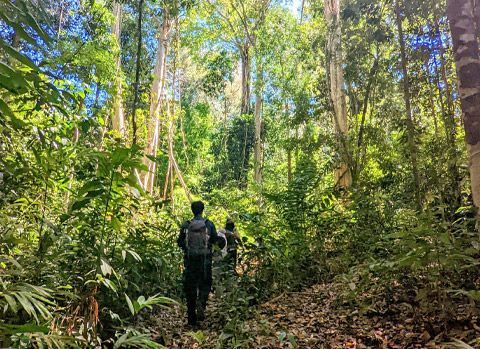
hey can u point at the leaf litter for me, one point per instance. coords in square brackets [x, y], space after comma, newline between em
[318, 317]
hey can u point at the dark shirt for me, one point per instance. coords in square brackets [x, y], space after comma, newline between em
[214, 238]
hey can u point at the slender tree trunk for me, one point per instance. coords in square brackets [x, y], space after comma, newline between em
[245, 57]
[118, 119]
[167, 175]
[257, 176]
[432, 100]
[153, 132]
[76, 137]
[289, 165]
[60, 20]
[289, 149]
[449, 116]
[408, 110]
[137, 75]
[343, 177]
[373, 72]
[467, 62]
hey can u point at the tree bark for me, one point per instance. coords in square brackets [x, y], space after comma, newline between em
[118, 119]
[137, 74]
[257, 176]
[467, 62]
[373, 72]
[153, 132]
[408, 110]
[343, 177]
[449, 116]
[245, 58]
[76, 137]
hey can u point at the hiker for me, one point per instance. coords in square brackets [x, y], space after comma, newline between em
[196, 239]
[225, 260]
[233, 241]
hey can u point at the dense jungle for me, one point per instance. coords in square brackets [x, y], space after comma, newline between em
[342, 138]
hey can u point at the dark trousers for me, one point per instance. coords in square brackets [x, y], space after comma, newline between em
[197, 285]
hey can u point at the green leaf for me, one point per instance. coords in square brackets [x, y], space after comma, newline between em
[81, 203]
[105, 267]
[116, 224]
[135, 255]
[90, 187]
[18, 28]
[26, 328]
[460, 344]
[130, 305]
[291, 339]
[445, 238]
[110, 284]
[17, 55]
[119, 155]
[11, 302]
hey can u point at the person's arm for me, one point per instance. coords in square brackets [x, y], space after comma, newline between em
[236, 236]
[216, 239]
[182, 236]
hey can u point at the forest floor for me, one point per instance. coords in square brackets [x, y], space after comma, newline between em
[317, 318]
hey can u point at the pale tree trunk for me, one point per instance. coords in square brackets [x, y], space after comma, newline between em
[76, 137]
[343, 177]
[360, 147]
[408, 109]
[245, 58]
[467, 62]
[153, 124]
[137, 80]
[60, 20]
[289, 149]
[118, 119]
[257, 176]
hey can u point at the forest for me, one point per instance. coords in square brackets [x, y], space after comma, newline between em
[342, 138]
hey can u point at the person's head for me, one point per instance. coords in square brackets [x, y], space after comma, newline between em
[229, 225]
[197, 207]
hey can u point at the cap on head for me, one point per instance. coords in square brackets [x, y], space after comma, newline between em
[197, 207]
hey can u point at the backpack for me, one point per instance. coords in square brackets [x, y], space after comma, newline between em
[197, 238]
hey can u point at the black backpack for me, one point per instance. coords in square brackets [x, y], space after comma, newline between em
[197, 238]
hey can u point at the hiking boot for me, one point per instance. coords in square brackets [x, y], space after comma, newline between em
[200, 311]
[191, 326]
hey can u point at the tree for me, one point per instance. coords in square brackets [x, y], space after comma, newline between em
[464, 28]
[156, 100]
[343, 176]
[408, 109]
[118, 119]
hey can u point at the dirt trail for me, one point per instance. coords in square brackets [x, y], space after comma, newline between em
[316, 318]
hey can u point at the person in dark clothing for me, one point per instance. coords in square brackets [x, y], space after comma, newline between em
[233, 242]
[198, 261]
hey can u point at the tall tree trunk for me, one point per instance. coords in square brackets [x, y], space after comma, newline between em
[245, 58]
[137, 76]
[408, 110]
[467, 62]
[118, 119]
[257, 176]
[343, 177]
[76, 137]
[153, 132]
[360, 153]
[60, 20]
[449, 116]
